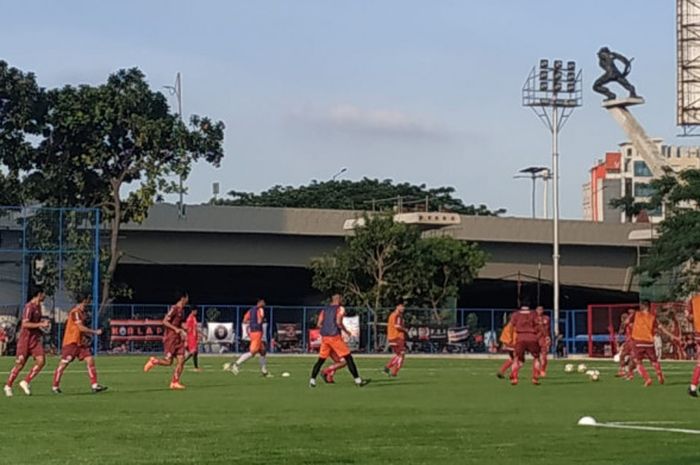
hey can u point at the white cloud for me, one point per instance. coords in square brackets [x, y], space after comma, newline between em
[347, 118]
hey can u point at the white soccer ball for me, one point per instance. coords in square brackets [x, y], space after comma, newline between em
[286, 374]
[582, 368]
[569, 368]
[595, 376]
[590, 372]
[227, 366]
[587, 421]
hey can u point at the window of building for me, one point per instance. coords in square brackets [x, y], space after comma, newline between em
[642, 189]
[641, 169]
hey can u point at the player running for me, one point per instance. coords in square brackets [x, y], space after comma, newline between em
[192, 339]
[76, 344]
[693, 315]
[507, 339]
[173, 342]
[29, 343]
[255, 318]
[545, 338]
[644, 328]
[330, 321]
[528, 333]
[626, 369]
[396, 335]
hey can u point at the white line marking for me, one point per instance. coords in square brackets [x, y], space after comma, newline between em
[645, 428]
[648, 422]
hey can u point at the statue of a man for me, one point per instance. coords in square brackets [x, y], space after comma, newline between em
[606, 60]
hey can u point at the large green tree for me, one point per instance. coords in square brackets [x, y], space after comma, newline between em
[116, 146]
[366, 194]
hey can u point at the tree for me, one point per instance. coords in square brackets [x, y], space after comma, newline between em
[441, 266]
[630, 206]
[101, 141]
[676, 251]
[366, 194]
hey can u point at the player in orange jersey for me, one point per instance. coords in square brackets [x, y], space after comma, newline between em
[396, 335]
[29, 343]
[508, 344]
[644, 328]
[76, 344]
[545, 338]
[693, 314]
[255, 318]
[173, 341]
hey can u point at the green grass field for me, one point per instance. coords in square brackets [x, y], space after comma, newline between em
[436, 411]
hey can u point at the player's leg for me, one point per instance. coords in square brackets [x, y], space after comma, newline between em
[177, 371]
[338, 363]
[544, 358]
[262, 358]
[519, 360]
[657, 366]
[195, 360]
[316, 369]
[507, 364]
[400, 355]
[20, 361]
[92, 371]
[353, 371]
[639, 353]
[695, 379]
[58, 373]
[25, 384]
[394, 358]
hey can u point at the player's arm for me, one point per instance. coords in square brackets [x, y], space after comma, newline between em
[168, 324]
[319, 321]
[398, 325]
[339, 320]
[84, 329]
[27, 324]
[668, 333]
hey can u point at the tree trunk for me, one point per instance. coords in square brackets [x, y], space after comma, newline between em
[113, 250]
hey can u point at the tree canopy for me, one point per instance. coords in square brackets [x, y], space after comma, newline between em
[366, 194]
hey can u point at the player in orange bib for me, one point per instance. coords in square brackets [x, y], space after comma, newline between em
[255, 318]
[693, 314]
[330, 322]
[396, 335]
[76, 344]
[644, 328]
[508, 340]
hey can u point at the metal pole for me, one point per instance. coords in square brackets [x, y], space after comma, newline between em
[534, 186]
[545, 213]
[178, 92]
[555, 196]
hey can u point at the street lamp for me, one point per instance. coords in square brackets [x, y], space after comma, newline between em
[553, 92]
[533, 172]
[343, 170]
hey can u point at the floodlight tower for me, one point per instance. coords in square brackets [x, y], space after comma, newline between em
[553, 97]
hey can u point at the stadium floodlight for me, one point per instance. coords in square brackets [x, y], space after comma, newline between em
[553, 104]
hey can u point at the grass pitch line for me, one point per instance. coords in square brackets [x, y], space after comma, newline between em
[590, 421]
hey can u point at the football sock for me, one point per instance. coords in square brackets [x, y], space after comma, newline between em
[263, 364]
[317, 367]
[13, 375]
[62, 365]
[195, 359]
[352, 367]
[243, 358]
[32, 373]
[92, 372]
[642, 371]
[507, 364]
[696, 378]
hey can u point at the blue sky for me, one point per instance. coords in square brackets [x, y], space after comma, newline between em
[417, 91]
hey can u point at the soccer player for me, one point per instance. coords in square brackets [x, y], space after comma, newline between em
[76, 344]
[545, 338]
[508, 344]
[626, 349]
[29, 342]
[255, 318]
[338, 363]
[644, 328]
[192, 339]
[528, 333]
[173, 341]
[396, 335]
[330, 321]
[693, 315]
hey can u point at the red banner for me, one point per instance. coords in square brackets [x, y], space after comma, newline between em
[136, 330]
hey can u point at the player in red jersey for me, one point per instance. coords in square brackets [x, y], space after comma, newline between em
[508, 340]
[396, 335]
[29, 343]
[192, 339]
[545, 338]
[528, 333]
[173, 341]
[625, 353]
[644, 328]
[693, 315]
[255, 317]
[76, 344]
[338, 363]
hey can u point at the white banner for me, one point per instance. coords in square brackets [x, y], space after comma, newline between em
[245, 336]
[352, 324]
[220, 333]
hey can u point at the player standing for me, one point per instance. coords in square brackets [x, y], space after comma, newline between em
[644, 328]
[508, 344]
[76, 344]
[396, 335]
[255, 318]
[528, 333]
[626, 349]
[330, 321]
[192, 339]
[173, 341]
[545, 338]
[29, 343]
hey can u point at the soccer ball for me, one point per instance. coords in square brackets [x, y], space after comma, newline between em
[227, 366]
[569, 368]
[285, 374]
[582, 368]
[595, 376]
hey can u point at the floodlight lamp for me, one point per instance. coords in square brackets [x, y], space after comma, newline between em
[543, 86]
[557, 86]
[571, 66]
[558, 64]
[543, 75]
[544, 64]
[571, 86]
[570, 76]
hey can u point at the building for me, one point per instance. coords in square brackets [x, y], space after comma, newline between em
[625, 173]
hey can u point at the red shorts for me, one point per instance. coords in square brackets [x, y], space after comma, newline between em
[333, 344]
[27, 346]
[522, 346]
[192, 347]
[398, 346]
[256, 342]
[642, 350]
[73, 351]
[173, 345]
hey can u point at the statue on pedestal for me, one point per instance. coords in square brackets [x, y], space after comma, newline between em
[606, 60]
